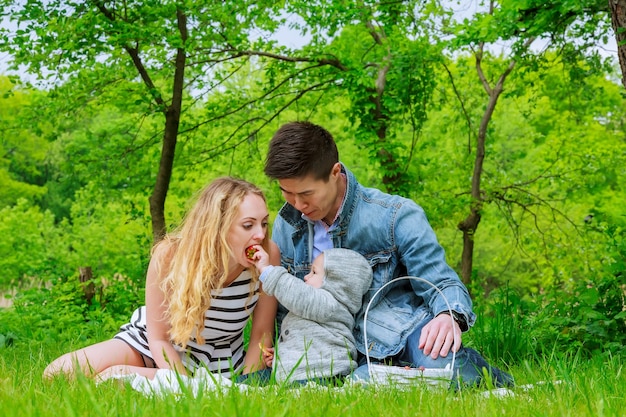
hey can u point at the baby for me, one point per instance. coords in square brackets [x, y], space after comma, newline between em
[316, 340]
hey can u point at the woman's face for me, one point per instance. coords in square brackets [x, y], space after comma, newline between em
[249, 228]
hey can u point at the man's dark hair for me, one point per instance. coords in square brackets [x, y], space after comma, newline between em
[299, 149]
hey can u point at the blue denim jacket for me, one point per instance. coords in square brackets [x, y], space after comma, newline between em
[394, 235]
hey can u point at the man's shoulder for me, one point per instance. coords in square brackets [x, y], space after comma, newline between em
[377, 196]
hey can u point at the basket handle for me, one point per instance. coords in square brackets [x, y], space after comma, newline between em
[367, 353]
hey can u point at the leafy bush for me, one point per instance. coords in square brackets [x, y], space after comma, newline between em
[61, 312]
[109, 237]
[592, 315]
[585, 316]
[29, 246]
[103, 236]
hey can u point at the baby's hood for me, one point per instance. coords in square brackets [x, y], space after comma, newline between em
[348, 276]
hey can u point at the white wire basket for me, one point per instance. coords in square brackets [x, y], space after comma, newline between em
[399, 375]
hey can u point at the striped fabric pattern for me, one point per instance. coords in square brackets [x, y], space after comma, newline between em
[223, 350]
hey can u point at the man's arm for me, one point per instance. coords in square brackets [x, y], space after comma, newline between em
[424, 257]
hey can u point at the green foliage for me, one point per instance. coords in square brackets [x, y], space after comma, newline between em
[554, 156]
[111, 238]
[585, 317]
[31, 245]
[22, 151]
[105, 237]
[61, 312]
[109, 146]
[517, 21]
[501, 330]
[590, 314]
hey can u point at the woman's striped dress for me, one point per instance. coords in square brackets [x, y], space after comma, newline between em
[224, 322]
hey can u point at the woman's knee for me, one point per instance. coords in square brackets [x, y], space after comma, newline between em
[94, 359]
[64, 364]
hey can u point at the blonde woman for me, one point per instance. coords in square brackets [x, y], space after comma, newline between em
[200, 291]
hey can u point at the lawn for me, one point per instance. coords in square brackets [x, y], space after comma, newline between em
[572, 387]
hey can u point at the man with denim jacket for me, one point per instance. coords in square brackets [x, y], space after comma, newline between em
[408, 322]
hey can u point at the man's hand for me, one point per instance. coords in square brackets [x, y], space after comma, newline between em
[439, 336]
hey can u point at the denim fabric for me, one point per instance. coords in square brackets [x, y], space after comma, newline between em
[264, 377]
[256, 378]
[395, 237]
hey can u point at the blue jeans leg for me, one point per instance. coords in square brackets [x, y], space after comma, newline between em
[257, 378]
[362, 372]
[468, 364]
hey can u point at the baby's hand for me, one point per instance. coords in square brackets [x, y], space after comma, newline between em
[268, 355]
[257, 255]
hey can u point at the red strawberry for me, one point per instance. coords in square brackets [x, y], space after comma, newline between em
[250, 251]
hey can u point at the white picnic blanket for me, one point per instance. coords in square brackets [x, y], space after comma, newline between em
[168, 382]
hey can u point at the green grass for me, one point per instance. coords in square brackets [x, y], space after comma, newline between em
[587, 388]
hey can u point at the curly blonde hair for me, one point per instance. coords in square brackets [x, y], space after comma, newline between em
[200, 256]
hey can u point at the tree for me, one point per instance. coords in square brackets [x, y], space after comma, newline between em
[96, 44]
[379, 55]
[519, 24]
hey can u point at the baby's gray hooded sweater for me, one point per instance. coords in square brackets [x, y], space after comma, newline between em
[316, 338]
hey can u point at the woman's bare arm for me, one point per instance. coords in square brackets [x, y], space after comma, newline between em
[163, 352]
[262, 332]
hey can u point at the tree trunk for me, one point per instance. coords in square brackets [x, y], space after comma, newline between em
[85, 276]
[170, 135]
[162, 183]
[618, 21]
[470, 224]
[172, 118]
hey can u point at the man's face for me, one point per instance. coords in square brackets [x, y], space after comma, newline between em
[316, 199]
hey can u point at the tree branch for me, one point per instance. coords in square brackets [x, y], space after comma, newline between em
[248, 103]
[221, 147]
[133, 52]
[468, 120]
[322, 61]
